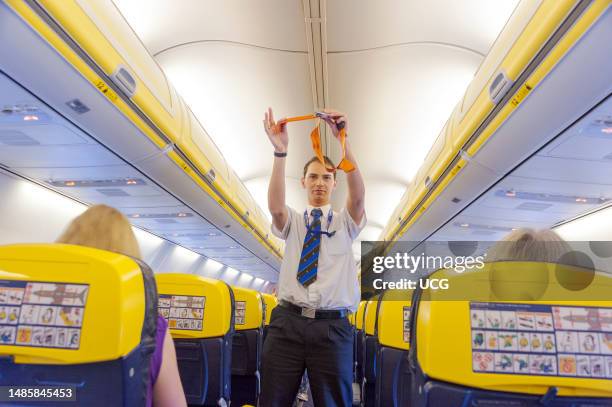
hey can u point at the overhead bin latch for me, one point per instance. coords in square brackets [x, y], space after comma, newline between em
[500, 86]
[124, 80]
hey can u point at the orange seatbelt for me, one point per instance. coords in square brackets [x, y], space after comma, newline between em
[345, 165]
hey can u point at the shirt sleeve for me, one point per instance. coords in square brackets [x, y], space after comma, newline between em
[282, 234]
[353, 228]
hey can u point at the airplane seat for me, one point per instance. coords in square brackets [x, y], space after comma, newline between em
[393, 334]
[499, 336]
[370, 349]
[73, 316]
[247, 346]
[200, 317]
[269, 302]
[358, 344]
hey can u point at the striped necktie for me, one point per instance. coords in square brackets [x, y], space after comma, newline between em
[309, 260]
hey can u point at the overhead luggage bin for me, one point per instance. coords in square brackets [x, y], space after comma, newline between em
[200, 314]
[542, 40]
[513, 333]
[145, 122]
[247, 346]
[78, 319]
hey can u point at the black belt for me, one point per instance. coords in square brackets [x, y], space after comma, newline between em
[313, 313]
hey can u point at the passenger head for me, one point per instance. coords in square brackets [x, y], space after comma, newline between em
[102, 227]
[318, 182]
[539, 247]
[529, 245]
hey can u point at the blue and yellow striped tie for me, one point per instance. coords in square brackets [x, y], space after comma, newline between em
[309, 260]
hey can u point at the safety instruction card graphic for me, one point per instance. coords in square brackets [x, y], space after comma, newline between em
[182, 311]
[42, 314]
[406, 322]
[548, 340]
[239, 319]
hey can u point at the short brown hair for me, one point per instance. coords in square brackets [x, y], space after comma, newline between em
[328, 161]
[105, 228]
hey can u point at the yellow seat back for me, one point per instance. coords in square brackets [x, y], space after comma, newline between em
[248, 309]
[195, 306]
[64, 304]
[359, 315]
[482, 333]
[394, 319]
[270, 302]
[370, 316]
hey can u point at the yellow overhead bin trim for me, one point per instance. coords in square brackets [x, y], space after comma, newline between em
[556, 54]
[78, 24]
[547, 19]
[195, 306]
[92, 300]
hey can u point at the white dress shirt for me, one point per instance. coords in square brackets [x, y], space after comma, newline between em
[337, 285]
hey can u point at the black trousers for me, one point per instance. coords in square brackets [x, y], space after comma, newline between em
[322, 346]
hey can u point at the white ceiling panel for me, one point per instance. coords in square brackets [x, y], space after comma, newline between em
[396, 67]
[229, 88]
[162, 24]
[361, 24]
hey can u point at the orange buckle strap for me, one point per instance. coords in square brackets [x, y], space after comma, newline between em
[315, 137]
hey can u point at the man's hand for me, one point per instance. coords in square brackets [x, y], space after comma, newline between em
[277, 132]
[333, 118]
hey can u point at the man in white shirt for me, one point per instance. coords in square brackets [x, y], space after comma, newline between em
[318, 283]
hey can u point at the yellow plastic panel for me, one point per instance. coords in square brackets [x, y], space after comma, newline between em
[64, 304]
[535, 21]
[90, 27]
[248, 309]
[359, 314]
[202, 149]
[271, 302]
[464, 328]
[370, 316]
[541, 26]
[167, 112]
[394, 320]
[195, 306]
[521, 16]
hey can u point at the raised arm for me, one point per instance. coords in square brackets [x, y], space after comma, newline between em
[355, 201]
[277, 133]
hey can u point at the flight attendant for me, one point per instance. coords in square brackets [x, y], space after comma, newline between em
[318, 284]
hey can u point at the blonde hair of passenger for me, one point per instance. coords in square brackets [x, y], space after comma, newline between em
[105, 228]
[525, 245]
[529, 245]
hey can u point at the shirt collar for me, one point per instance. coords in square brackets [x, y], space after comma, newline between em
[325, 209]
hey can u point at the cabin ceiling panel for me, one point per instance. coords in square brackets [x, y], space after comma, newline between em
[362, 24]
[229, 87]
[399, 99]
[162, 24]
